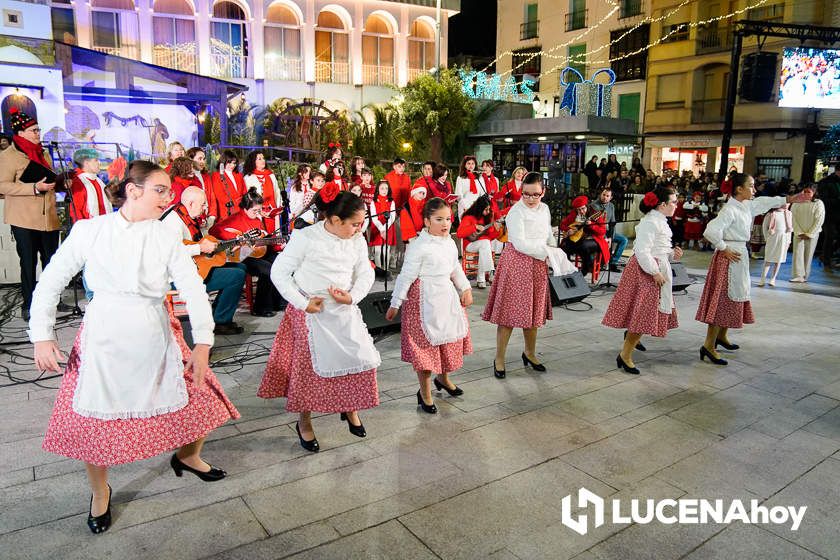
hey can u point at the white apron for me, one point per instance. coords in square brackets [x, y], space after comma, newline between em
[130, 363]
[666, 295]
[739, 272]
[441, 315]
[339, 342]
[559, 262]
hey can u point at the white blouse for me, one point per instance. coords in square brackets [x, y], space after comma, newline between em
[296, 199]
[426, 257]
[653, 239]
[808, 218]
[252, 181]
[734, 221]
[125, 259]
[315, 259]
[529, 230]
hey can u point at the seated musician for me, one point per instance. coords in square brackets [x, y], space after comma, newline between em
[584, 234]
[227, 280]
[604, 204]
[477, 229]
[267, 300]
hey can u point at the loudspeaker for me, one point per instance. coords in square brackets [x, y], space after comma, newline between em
[570, 288]
[758, 77]
[374, 306]
[681, 280]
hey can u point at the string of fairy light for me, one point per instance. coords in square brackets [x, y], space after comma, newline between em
[582, 57]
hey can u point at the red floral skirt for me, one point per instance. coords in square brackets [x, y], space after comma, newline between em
[715, 307]
[416, 349]
[635, 305]
[113, 442]
[289, 374]
[519, 296]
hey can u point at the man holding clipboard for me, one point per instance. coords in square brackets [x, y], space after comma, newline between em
[27, 183]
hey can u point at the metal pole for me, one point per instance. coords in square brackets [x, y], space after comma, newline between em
[437, 40]
[731, 95]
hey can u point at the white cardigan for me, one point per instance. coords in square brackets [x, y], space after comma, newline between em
[429, 256]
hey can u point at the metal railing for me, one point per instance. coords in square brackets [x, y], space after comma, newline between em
[223, 65]
[773, 12]
[630, 8]
[336, 72]
[125, 51]
[577, 20]
[713, 39]
[177, 57]
[704, 111]
[529, 30]
[375, 75]
[414, 73]
[281, 68]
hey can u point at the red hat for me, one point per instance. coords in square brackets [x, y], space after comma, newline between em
[580, 202]
[20, 121]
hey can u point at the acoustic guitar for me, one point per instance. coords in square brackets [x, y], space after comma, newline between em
[229, 250]
[577, 228]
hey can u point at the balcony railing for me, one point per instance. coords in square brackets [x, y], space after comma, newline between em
[630, 8]
[704, 111]
[228, 65]
[528, 30]
[714, 39]
[773, 12]
[281, 68]
[375, 75]
[577, 20]
[336, 72]
[414, 73]
[179, 57]
[125, 51]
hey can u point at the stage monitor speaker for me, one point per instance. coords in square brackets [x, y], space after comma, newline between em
[570, 288]
[681, 279]
[758, 77]
[374, 306]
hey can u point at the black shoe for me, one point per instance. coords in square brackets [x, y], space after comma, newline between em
[63, 307]
[358, 431]
[311, 445]
[527, 362]
[430, 408]
[499, 373]
[25, 314]
[621, 365]
[706, 354]
[228, 328]
[263, 313]
[456, 392]
[726, 345]
[639, 346]
[212, 475]
[615, 268]
[100, 523]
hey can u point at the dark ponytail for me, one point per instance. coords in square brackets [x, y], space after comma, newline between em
[138, 173]
[662, 194]
[343, 206]
[738, 181]
[250, 199]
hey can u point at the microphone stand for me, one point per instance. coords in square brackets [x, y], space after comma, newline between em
[609, 284]
[75, 311]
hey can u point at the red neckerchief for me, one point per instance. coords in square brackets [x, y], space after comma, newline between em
[262, 174]
[181, 210]
[35, 152]
[382, 205]
[473, 188]
[491, 183]
[98, 188]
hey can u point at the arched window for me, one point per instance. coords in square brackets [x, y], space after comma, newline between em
[332, 49]
[229, 40]
[115, 27]
[421, 48]
[377, 51]
[283, 59]
[173, 27]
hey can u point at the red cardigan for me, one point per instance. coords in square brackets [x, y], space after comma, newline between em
[400, 187]
[224, 192]
[78, 193]
[411, 219]
[468, 225]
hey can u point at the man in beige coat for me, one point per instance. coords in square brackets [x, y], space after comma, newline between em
[29, 207]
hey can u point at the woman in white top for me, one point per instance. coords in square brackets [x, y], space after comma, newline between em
[131, 389]
[432, 290]
[519, 296]
[725, 302]
[468, 186]
[808, 219]
[776, 227]
[323, 358]
[298, 190]
[643, 303]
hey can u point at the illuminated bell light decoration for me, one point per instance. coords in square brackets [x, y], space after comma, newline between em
[587, 97]
[480, 85]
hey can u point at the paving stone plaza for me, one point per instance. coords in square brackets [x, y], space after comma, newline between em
[486, 476]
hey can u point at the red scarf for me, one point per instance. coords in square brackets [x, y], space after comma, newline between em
[98, 186]
[181, 210]
[262, 174]
[382, 205]
[491, 183]
[473, 188]
[35, 152]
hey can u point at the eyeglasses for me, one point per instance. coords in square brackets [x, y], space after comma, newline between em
[163, 192]
[34, 130]
[531, 195]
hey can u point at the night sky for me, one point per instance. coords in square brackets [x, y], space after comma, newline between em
[473, 31]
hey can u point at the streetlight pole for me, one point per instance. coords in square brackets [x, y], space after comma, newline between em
[437, 40]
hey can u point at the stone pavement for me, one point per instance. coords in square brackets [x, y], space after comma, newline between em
[485, 477]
